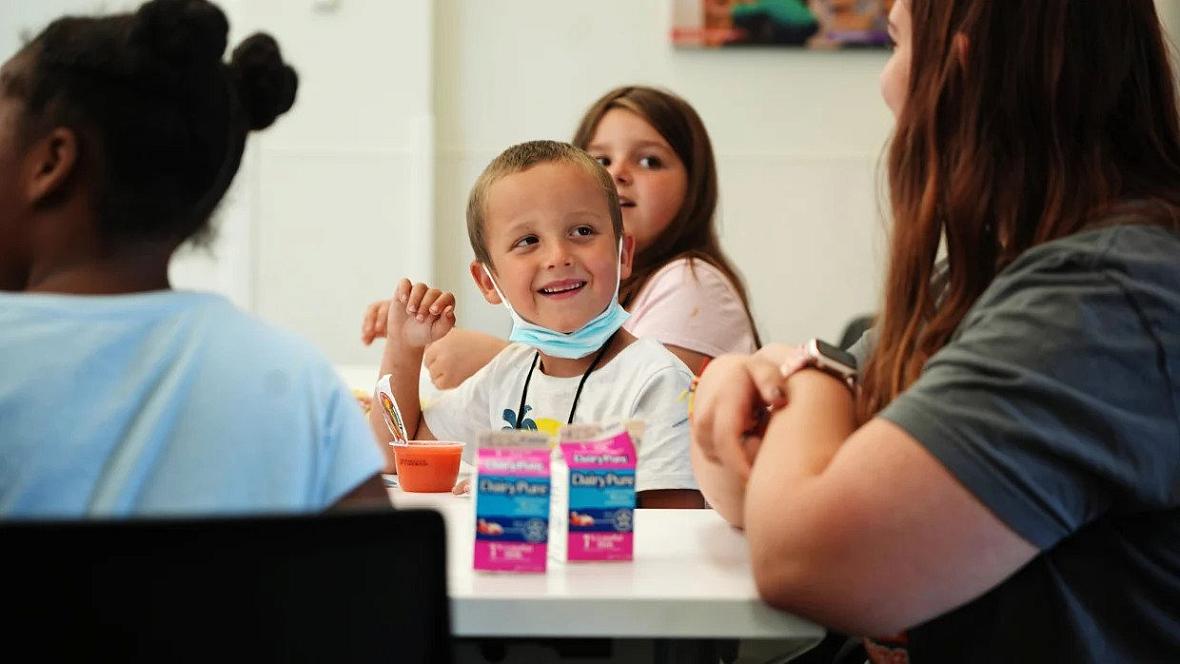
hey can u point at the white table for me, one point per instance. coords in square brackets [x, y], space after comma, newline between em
[690, 579]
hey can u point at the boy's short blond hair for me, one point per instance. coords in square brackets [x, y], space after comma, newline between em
[520, 158]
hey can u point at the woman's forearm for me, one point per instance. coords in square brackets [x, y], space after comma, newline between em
[790, 533]
[804, 436]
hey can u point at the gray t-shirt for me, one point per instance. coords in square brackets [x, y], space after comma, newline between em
[1055, 404]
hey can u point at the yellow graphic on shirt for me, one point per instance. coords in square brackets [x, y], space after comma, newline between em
[548, 426]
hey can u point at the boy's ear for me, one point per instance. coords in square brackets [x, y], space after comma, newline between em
[484, 282]
[49, 163]
[627, 258]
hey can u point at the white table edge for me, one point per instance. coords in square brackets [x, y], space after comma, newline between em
[691, 619]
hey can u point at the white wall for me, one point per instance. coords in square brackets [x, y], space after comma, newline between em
[343, 186]
[1169, 11]
[797, 136]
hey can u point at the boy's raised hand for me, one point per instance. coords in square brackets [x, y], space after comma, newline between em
[418, 314]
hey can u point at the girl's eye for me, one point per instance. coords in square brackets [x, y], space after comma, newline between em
[605, 161]
[651, 162]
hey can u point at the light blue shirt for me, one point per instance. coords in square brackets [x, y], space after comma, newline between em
[168, 403]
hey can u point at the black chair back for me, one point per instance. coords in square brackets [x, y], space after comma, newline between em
[854, 329]
[348, 587]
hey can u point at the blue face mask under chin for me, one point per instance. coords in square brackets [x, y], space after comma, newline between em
[574, 345]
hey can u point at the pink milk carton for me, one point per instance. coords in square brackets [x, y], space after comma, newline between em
[511, 490]
[594, 498]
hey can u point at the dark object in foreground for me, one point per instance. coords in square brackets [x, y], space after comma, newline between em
[340, 588]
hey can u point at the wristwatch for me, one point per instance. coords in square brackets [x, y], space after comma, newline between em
[841, 364]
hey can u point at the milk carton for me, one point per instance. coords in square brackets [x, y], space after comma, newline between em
[593, 507]
[511, 490]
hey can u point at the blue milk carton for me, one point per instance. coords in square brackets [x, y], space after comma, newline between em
[593, 508]
[511, 490]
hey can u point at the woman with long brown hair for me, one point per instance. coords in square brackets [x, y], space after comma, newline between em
[684, 290]
[1003, 481]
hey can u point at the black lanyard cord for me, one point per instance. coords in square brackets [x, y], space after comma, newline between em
[577, 395]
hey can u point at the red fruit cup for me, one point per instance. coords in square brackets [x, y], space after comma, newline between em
[427, 466]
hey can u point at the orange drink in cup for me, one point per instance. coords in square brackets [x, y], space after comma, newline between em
[427, 466]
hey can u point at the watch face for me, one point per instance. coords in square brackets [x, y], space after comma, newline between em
[836, 354]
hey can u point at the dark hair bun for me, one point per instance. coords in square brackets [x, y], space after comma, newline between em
[265, 83]
[189, 35]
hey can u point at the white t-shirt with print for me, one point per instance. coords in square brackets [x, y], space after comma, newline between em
[644, 382]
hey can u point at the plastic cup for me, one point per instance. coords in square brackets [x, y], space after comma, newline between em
[427, 466]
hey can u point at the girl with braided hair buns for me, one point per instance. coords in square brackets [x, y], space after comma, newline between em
[119, 136]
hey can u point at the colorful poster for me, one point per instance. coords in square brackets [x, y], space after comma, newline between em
[815, 24]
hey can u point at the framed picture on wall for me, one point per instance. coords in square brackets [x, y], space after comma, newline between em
[814, 24]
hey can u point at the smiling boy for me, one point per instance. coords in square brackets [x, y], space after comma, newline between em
[547, 232]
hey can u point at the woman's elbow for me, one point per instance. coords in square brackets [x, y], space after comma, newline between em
[777, 583]
[812, 588]
[843, 609]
